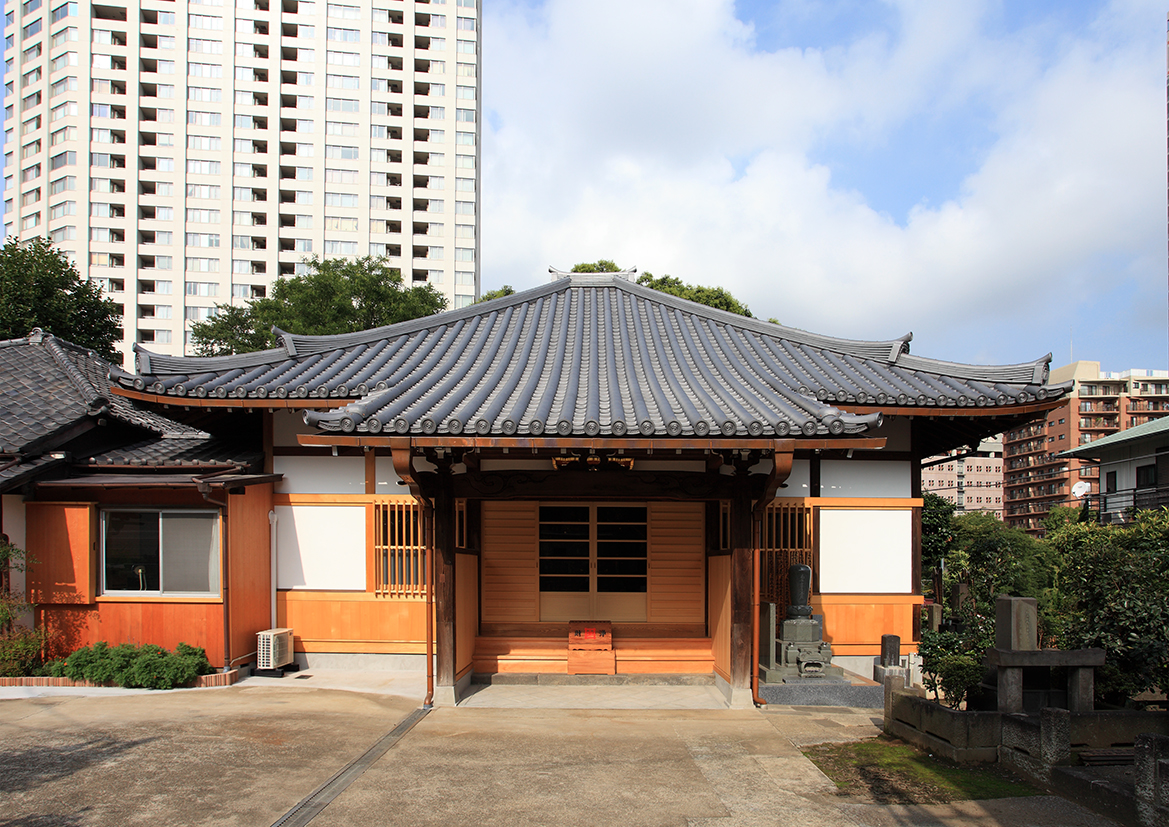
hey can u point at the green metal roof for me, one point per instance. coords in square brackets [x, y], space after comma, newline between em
[1141, 431]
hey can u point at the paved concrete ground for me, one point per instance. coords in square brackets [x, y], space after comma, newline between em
[244, 755]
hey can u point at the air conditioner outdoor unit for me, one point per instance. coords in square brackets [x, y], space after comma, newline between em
[274, 648]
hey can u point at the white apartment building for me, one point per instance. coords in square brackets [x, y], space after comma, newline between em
[187, 153]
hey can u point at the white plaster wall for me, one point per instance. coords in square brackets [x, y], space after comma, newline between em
[320, 475]
[799, 482]
[286, 425]
[864, 478]
[14, 527]
[387, 479]
[866, 552]
[320, 547]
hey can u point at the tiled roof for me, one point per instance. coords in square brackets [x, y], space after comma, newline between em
[51, 391]
[47, 385]
[170, 452]
[594, 354]
[1142, 431]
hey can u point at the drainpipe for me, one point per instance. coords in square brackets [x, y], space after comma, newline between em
[428, 701]
[756, 536]
[272, 520]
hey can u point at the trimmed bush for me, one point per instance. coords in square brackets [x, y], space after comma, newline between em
[149, 666]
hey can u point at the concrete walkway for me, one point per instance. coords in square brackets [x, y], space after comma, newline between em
[245, 755]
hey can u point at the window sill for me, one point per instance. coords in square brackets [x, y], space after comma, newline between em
[155, 598]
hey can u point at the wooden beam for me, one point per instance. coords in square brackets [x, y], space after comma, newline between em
[403, 458]
[742, 573]
[780, 471]
[216, 402]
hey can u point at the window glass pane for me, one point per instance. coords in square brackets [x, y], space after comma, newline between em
[190, 552]
[131, 542]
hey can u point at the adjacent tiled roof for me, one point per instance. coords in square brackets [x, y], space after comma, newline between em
[593, 354]
[52, 391]
[1137, 432]
[47, 385]
[171, 452]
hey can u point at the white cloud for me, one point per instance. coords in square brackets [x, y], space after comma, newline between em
[615, 130]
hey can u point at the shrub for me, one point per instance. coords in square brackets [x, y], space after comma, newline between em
[1113, 585]
[21, 651]
[149, 666]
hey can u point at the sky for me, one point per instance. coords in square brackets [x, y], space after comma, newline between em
[988, 175]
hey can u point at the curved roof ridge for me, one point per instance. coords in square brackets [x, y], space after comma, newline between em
[867, 349]
[1034, 372]
[93, 398]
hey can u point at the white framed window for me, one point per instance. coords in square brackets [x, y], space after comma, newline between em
[160, 552]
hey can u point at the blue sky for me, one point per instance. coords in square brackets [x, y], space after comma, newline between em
[989, 175]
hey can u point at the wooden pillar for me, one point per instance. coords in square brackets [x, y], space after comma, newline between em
[444, 582]
[742, 558]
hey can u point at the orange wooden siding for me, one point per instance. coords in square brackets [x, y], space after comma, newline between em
[854, 623]
[249, 567]
[510, 563]
[331, 621]
[61, 541]
[719, 596]
[677, 553]
[466, 610]
[163, 623]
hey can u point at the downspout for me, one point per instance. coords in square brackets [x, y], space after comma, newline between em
[273, 518]
[756, 537]
[428, 701]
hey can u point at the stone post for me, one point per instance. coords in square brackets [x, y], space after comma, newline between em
[1016, 623]
[1055, 737]
[1151, 778]
[890, 650]
[1082, 688]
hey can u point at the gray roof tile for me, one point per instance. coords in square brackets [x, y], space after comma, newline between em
[593, 354]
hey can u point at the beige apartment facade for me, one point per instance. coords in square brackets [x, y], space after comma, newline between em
[971, 480]
[185, 154]
[1101, 403]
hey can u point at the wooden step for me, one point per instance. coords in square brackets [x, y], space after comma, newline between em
[633, 655]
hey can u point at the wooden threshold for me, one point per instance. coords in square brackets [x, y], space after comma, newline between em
[629, 631]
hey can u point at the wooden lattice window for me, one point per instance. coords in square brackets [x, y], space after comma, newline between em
[786, 539]
[399, 548]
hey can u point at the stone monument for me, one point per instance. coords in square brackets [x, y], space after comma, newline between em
[801, 653]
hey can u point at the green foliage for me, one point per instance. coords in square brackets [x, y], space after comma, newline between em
[334, 296]
[715, 297]
[506, 290]
[1114, 594]
[997, 559]
[951, 660]
[601, 265]
[40, 287]
[22, 651]
[149, 666]
[937, 530]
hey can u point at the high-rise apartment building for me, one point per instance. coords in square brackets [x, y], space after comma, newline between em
[187, 153]
[1101, 403]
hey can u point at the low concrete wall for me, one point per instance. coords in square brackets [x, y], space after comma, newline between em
[960, 736]
[201, 682]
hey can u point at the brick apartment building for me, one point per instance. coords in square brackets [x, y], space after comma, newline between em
[1101, 403]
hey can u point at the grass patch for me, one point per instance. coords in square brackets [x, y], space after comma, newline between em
[888, 771]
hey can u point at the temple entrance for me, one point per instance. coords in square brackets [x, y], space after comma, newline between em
[593, 562]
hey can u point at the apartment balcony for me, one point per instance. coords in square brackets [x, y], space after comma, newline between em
[1099, 423]
[1118, 506]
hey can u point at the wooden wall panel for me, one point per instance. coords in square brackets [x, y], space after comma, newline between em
[165, 623]
[854, 623]
[352, 622]
[510, 562]
[249, 567]
[677, 559]
[719, 591]
[466, 610]
[61, 539]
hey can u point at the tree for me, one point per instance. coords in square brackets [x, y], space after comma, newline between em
[716, 297]
[334, 296]
[506, 290]
[937, 531]
[40, 287]
[1113, 587]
